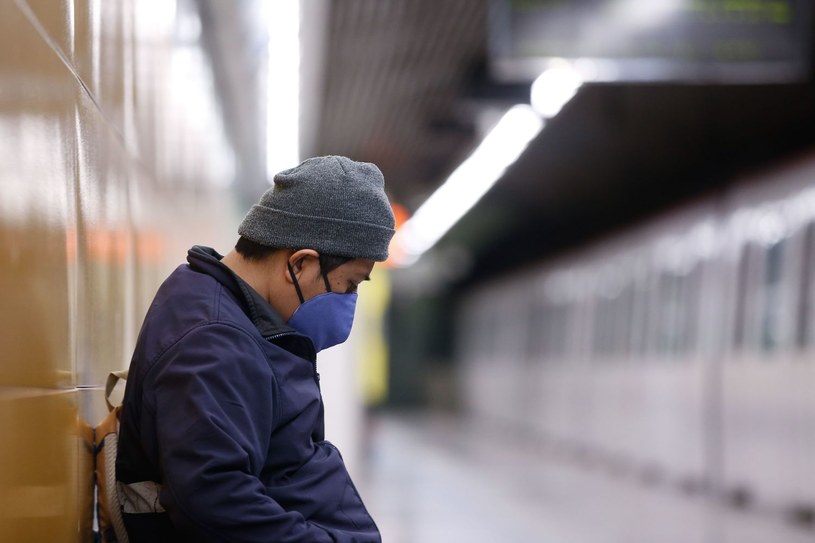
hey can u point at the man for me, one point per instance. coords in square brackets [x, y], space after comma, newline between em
[221, 433]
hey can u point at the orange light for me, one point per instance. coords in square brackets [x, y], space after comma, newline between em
[395, 252]
[400, 214]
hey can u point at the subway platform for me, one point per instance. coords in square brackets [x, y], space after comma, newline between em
[440, 479]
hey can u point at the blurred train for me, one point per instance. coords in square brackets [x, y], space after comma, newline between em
[680, 352]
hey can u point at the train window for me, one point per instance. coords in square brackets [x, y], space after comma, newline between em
[474, 337]
[677, 312]
[582, 332]
[601, 319]
[545, 334]
[772, 316]
[693, 308]
[639, 319]
[566, 320]
[488, 335]
[743, 296]
[623, 310]
[669, 313]
[513, 323]
[803, 332]
[608, 326]
[552, 336]
[478, 336]
[536, 331]
[596, 327]
[557, 326]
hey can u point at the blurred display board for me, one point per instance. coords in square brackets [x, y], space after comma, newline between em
[728, 41]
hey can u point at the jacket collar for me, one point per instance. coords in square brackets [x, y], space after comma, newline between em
[268, 321]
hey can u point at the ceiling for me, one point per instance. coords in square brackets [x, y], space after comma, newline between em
[394, 75]
[403, 84]
[618, 154]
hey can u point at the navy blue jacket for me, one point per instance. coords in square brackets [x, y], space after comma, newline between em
[221, 434]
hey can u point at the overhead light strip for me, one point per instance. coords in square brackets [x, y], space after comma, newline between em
[467, 184]
[475, 176]
[282, 85]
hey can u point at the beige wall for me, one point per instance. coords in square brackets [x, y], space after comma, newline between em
[112, 162]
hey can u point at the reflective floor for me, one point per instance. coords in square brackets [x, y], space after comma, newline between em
[428, 483]
[439, 480]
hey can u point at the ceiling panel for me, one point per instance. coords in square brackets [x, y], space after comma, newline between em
[394, 70]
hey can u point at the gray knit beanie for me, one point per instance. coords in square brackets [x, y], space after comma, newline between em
[330, 204]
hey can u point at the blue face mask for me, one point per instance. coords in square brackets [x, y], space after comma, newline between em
[326, 318]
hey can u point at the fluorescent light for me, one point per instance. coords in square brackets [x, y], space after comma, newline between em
[554, 88]
[467, 184]
[282, 85]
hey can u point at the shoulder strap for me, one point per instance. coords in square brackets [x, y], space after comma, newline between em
[113, 378]
[110, 509]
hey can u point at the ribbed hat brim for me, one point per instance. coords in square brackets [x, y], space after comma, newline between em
[330, 236]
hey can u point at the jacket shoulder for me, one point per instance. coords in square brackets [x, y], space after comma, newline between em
[186, 301]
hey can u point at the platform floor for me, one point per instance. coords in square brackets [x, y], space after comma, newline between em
[437, 479]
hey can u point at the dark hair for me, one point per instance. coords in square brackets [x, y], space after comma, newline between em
[331, 262]
[252, 250]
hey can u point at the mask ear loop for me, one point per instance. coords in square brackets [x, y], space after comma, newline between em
[325, 280]
[325, 276]
[296, 284]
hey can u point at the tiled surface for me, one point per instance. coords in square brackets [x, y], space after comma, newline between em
[45, 480]
[434, 480]
[95, 178]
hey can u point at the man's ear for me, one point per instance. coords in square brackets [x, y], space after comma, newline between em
[300, 260]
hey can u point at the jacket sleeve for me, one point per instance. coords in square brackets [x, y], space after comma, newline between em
[214, 398]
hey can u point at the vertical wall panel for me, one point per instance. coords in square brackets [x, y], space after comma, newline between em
[104, 183]
[40, 480]
[38, 152]
[103, 220]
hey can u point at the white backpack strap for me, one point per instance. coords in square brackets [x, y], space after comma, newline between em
[111, 443]
[113, 378]
[114, 506]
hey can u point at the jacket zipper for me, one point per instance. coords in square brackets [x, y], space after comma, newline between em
[313, 362]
